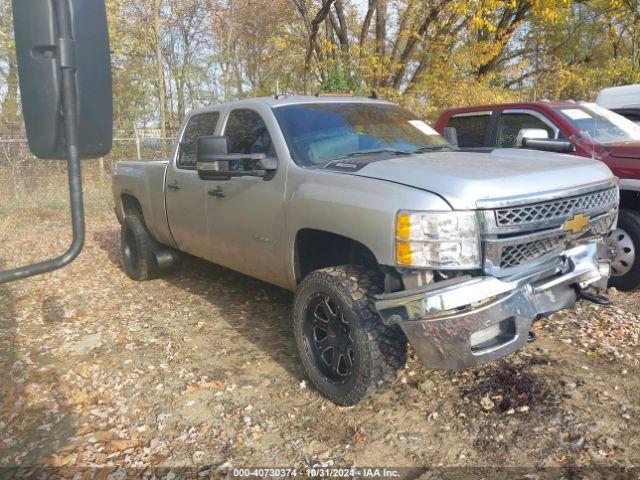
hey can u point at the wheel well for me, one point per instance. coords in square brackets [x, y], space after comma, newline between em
[131, 205]
[315, 249]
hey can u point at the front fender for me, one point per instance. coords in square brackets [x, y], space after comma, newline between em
[358, 208]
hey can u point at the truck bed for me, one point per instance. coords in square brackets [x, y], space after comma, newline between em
[143, 179]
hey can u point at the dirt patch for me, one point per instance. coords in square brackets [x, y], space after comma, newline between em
[511, 386]
[199, 368]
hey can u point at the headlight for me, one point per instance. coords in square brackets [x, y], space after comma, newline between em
[437, 240]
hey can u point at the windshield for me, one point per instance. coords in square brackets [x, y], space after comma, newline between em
[601, 125]
[319, 132]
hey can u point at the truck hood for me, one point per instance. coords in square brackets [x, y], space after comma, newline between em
[464, 178]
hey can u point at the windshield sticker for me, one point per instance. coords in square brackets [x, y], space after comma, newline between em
[349, 165]
[423, 127]
[576, 114]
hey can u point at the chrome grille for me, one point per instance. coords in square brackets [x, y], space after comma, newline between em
[515, 255]
[556, 209]
[602, 226]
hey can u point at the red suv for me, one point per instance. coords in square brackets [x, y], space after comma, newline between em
[584, 129]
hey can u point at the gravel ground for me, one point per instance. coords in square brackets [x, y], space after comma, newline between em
[199, 369]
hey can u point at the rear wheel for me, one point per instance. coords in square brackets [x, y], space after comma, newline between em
[623, 243]
[346, 350]
[137, 249]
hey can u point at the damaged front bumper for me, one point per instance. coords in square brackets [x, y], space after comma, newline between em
[465, 322]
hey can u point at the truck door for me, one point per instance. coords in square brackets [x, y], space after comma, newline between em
[185, 193]
[245, 214]
[511, 121]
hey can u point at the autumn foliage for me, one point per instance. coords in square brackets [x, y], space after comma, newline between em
[169, 56]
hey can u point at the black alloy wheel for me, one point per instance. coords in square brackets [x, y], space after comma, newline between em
[328, 339]
[345, 349]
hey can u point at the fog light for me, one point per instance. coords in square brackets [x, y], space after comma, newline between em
[604, 268]
[494, 336]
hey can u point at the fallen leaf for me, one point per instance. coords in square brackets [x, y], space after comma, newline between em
[123, 444]
[486, 404]
[57, 461]
[103, 436]
[358, 436]
[79, 397]
[212, 385]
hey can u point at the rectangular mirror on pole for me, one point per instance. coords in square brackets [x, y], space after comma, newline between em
[43, 53]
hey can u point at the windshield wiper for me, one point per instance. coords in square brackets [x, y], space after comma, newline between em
[393, 151]
[431, 148]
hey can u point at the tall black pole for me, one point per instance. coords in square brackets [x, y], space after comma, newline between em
[66, 50]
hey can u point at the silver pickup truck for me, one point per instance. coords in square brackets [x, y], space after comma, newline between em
[384, 232]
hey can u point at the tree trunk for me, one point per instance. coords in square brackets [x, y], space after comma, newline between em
[342, 30]
[412, 43]
[313, 38]
[381, 27]
[366, 24]
[505, 29]
[226, 64]
[10, 102]
[162, 94]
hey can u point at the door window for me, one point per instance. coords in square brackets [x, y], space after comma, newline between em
[247, 133]
[202, 125]
[511, 123]
[471, 129]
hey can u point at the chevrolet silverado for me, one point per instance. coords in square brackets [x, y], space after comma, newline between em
[386, 234]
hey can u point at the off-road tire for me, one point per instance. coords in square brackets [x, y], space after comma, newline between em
[380, 351]
[629, 221]
[137, 249]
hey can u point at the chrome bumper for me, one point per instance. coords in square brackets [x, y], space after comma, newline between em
[466, 322]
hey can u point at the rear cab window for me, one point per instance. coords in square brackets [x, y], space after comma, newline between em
[471, 128]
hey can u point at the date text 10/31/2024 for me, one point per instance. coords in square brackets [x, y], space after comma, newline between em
[320, 472]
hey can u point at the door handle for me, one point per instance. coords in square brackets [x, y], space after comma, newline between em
[216, 192]
[173, 186]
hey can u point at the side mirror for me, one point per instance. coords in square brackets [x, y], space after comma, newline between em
[210, 149]
[64, 69]
[44, 51]
[557, 146]
[450, 134]
[215, 163]
[531, 134]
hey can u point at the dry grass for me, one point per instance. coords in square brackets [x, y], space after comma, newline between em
[37, 194]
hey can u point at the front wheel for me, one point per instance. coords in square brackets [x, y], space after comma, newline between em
[623, 243]
[346, 350]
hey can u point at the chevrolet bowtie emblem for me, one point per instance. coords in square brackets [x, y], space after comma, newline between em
[576, 224]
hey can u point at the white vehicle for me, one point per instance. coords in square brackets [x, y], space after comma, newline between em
[623, 100]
